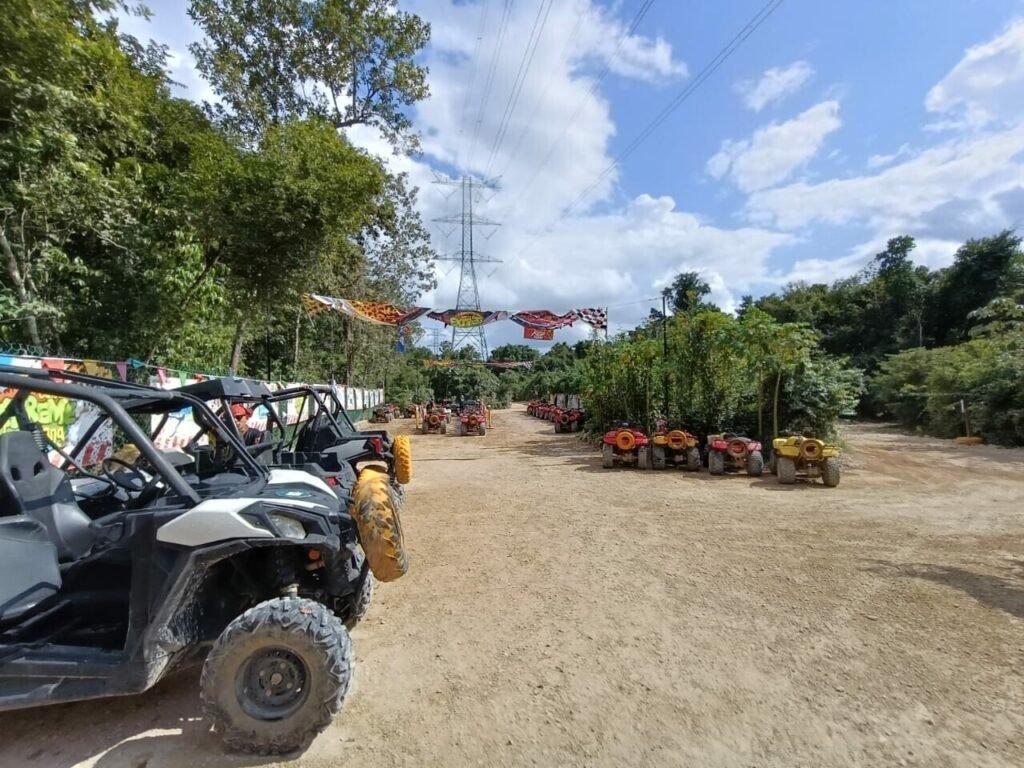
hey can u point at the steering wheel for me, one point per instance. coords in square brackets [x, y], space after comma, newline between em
[135, 472]
[147, 489]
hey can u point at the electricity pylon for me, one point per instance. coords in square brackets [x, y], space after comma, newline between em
[468, 258]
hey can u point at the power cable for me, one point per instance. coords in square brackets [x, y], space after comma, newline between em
[748, 29]
[759, 18]
[641, 12]
[517, 85]
[566, 53]
[485, 7]
[505, 15]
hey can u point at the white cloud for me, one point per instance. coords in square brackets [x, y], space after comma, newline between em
[774, 152]
[976, 169]
[774, 85]
[986, 85]
[880, 161]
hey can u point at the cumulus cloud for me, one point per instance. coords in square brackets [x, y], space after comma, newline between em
[774, 85]
[986, 84]
[978, 168]
[774, 152]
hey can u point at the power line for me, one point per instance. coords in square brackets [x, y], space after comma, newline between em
[641, 12]
[709, 69]
[505, 15]
[517, 85]
[485, 7]
[566, 53]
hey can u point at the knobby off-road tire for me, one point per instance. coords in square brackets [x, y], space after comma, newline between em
[444, 427]
[643, 457]
[277, 676]
[361, 605]
[716, 463]
[786, 470]
[482, 429]
[693, 459]
[558, 427]
[755, 464]
[830, 471]
[658, 457]
[402, 448]
[375, 510]
[607, 456]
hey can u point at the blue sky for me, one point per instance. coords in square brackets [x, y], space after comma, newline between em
[833, 127]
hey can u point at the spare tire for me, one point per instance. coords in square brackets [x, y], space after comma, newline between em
[375, 510]
[402, 448]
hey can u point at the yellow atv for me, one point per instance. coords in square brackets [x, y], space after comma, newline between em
[806, 458]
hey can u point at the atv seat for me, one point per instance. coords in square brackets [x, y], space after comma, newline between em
[31, 487]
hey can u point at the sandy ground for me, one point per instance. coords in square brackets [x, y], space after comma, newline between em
[561, 614]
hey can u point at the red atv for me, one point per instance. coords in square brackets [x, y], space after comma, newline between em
[675, 448]
[728, 452]
[434, 421]
[531, 407]
[472, 421]
[568, 420]
[625, 445]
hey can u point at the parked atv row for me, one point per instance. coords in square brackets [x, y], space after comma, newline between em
[792, 458]
[564, 419]
[256, 547]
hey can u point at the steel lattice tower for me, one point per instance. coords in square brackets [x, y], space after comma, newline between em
[468, 258]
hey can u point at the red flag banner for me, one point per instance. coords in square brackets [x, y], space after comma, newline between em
[374, 312]
[539, 334]
[543, 319]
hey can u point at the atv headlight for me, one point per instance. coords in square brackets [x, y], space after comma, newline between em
[289, 526]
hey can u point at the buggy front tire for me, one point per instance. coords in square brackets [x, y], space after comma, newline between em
[360, 605]
[277, 676]
[786, 469]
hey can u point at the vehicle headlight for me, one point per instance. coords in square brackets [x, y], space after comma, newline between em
[289, 526]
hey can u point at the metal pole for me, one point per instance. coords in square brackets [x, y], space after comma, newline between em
[664, 351]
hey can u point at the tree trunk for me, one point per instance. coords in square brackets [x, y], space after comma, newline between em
[236, 345]
[350, 352]
[298, 326]
[31, 324]
[775, 409]
[760, 404]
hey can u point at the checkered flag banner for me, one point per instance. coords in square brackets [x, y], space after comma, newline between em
[596, 317]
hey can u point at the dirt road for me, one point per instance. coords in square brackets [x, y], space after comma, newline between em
[560, 614]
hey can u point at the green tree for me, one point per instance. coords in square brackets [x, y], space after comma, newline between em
[514, 353]
[351, 62]
[687, 292]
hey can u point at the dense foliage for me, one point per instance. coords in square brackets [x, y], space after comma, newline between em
[137, 224]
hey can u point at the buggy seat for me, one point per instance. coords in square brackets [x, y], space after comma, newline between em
[32, 488]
